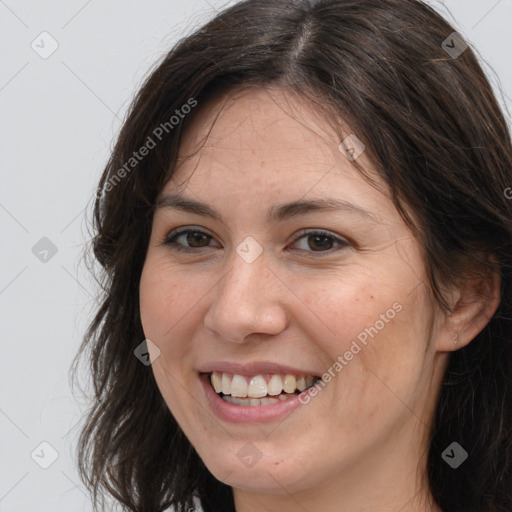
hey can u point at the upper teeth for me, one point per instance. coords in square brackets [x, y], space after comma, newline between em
[258, 386]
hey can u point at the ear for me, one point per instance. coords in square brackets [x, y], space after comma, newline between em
[473, 301]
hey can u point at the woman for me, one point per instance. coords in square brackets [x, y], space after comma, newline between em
[307, 248]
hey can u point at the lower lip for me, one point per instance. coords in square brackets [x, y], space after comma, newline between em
[247, 413]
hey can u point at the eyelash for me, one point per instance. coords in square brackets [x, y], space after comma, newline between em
[170, 240]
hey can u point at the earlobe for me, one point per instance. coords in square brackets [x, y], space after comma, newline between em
[474, 302]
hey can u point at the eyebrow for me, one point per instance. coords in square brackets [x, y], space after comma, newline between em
[277, 212]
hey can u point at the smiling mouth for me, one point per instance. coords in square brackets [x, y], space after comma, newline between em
[259, 389]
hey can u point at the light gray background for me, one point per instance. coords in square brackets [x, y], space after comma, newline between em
[59, 117]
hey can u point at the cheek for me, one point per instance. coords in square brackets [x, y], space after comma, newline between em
[167, 303]
[373, 332]
[166, 297]
[352, 307]
[366, 302]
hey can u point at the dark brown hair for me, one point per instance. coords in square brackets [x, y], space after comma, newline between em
[434, 130]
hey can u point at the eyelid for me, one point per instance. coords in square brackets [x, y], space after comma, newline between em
[182, 230]
[319, 231]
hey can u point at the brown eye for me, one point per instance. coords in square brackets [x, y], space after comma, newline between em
[196, 238]
[320, 241]
[188, 239]
[315, 241]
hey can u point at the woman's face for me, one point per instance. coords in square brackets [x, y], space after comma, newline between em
[295, 268]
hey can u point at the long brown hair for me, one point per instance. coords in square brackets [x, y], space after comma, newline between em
[434, 129]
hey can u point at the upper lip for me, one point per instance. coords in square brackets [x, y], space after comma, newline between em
[254, 368]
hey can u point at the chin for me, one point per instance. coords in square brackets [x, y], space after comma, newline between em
[265, 475]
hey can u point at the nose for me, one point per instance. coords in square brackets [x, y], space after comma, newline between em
[249, 299]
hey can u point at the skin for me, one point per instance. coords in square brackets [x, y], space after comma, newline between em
[360, 444]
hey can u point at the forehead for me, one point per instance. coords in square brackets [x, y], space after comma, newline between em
[267, 146]
[259, 128]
